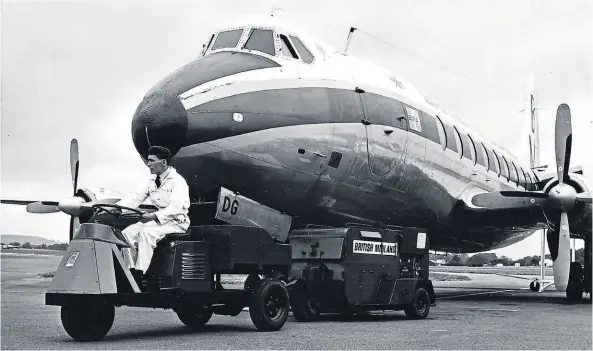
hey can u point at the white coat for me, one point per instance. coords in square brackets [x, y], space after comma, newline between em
[172, 201]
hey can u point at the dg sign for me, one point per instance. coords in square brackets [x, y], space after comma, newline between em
[236, 209]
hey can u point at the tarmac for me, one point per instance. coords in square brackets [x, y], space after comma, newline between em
[468, 315]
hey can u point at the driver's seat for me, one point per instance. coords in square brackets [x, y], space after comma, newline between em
[162, 259]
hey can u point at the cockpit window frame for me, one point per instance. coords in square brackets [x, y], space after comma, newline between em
[215, 39]
[276, 33]
[274, 41]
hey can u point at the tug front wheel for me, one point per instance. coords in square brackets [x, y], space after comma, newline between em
[87, 321]
[269, 304]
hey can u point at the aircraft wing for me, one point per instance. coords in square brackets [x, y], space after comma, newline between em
[520, 209]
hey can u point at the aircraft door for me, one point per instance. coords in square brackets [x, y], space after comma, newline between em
[387, 137]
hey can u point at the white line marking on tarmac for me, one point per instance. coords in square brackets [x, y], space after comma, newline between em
[482, 293]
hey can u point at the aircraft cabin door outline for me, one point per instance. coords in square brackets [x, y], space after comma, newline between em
[386, 127]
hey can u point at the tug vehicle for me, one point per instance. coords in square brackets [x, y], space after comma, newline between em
[351, 270]
[184, 275]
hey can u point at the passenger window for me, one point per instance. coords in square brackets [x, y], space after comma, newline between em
[506, 171]
[228, 39]
[349, 106]
[287, 49]
[514, 172]
[430, 127]
[442, 133]
[451, 143]
[306, 56]
[261, 40]
[414, 120]
[495, 162]
[467, 147]
[481, 155]
[384, 111]
[522, 177]
[458, 142]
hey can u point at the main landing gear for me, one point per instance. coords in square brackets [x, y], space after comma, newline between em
[579, 280]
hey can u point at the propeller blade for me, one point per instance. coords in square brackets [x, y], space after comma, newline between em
[17, 202]
[509, 199]
[74, 226]
[563, 135]
[43, 207]
[583, 197]
[562, 262]
[74, 163]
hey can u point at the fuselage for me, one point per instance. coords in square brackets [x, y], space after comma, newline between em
[326, 138]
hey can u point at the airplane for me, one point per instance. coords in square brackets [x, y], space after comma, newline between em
[330, 139]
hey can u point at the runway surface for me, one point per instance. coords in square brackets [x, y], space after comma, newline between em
[465, 317]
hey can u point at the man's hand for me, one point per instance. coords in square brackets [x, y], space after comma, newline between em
[147, 217]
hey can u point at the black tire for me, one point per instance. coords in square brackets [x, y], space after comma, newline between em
[251, 282]
[194, 317]
[420, 305]
[269, 305]
[574, 291]
[534, 286]
[87, 321]
[304, 307]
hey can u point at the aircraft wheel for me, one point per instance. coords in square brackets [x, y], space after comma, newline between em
[194, 317]
[420, 305]
[534, 286]
[574, 291]
[89, 321]
[304, 306]
[269, 305]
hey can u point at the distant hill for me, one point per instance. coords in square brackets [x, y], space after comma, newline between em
[33, 240]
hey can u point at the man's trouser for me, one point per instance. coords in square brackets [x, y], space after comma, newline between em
[143, 238]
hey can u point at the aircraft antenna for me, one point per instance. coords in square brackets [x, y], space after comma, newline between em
[352, 29]
[274, 9]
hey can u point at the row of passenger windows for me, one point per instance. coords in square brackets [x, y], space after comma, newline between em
[466, 146]
[383, 110]
[262, 40]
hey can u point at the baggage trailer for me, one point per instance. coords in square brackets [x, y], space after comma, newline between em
[184, 275]
[351, 270]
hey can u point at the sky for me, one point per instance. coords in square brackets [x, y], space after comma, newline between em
[79, 69]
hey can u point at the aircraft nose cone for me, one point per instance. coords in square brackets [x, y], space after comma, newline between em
[161, 120]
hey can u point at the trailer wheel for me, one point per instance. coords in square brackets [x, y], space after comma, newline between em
[89, 321]
[269, 305]
[194, 317]
[304, 307]
[420, 305]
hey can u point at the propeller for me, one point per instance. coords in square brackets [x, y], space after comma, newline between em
[76, 205]
[561, 198]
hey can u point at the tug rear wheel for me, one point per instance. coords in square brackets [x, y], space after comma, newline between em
[194, 317]
[269, 304]
[89, 321]
[420, 305]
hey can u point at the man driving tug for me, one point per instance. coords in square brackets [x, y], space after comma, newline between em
[169, 193]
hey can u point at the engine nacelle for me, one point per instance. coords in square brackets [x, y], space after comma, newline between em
[579, 218]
